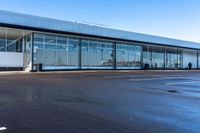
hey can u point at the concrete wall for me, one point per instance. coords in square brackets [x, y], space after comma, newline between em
[189, 56]
[11, 59]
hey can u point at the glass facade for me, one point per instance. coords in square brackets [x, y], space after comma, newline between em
[64, 52]
[57, 52]
[128, 56]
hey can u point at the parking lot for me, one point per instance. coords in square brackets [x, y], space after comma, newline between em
[100, 102]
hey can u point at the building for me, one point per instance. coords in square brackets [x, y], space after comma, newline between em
[26, 41]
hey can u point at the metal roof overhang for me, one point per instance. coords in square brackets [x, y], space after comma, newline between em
[29, 22]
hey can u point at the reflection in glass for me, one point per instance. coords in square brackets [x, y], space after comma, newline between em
[154, 57]
[96, 54]
[12, 40]
[2, 39]
[60, 52]
[56, 52]
[173, 58]
[128, 56]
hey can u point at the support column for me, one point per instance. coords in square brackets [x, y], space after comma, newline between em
[141, 58]
[197, 59]
[165, 54]
[182, 58]
[23, 42]
[32, 51]
[115, 56]
[80, 52]
[6, 39]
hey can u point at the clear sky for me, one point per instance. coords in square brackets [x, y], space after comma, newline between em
[178, 19]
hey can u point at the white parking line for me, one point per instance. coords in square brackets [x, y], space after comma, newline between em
[135, 76]
[179, 83]
[2, 128]
[124, 76]
[131, 76]
[161, 78]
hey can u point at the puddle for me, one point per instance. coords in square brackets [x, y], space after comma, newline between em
[173, 91]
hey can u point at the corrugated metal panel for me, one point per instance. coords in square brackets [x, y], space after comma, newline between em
[66, 26]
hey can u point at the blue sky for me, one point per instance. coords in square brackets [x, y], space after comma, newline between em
[169, 18]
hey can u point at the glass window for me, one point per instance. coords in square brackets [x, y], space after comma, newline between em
[50, 42]
[38, 48]
[128, 56]
[138, 55]
[56, 52]
[92, 51]
[109, 58]
[50, 51]
[158, 57]
[189, 56]
[122, 56]
[62, 43]
[96, 54]
[147, 56]
[61, 50]
[11, 45]
[73, 52]
[38, 45]
[2, 39]
[173, 58]
[84, 53]
[2, 45]
[154, 56]
[38, 38]
[14, 40]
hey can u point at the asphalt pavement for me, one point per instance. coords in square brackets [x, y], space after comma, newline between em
[100, 102]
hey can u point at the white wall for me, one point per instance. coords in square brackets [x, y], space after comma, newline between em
[11, 59]
[189, 56]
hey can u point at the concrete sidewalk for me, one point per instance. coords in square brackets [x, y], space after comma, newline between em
[94, 71]
[13, 72]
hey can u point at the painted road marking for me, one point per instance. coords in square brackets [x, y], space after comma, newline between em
[179, 83]
[124, 76]
[133, 76]
[139, 76]
[2, 128]
[161, 78]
